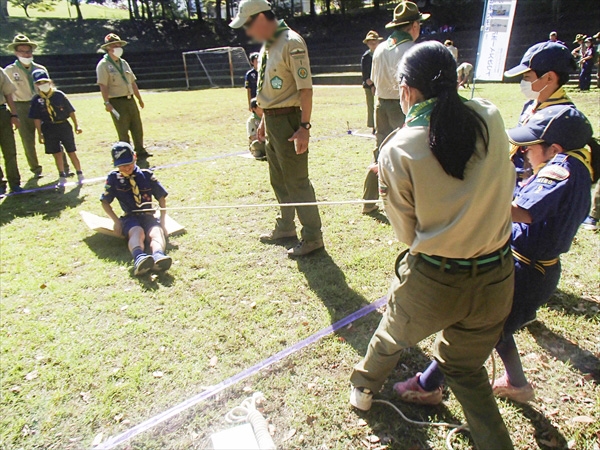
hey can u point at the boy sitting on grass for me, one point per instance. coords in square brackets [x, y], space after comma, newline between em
[257, 148]
[134, 188]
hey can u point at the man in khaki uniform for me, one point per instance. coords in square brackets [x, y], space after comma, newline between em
[284, 92]
[118, 88]
[19, 73]
[8, 120]
[388, 115]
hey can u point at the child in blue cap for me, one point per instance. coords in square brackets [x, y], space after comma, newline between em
[547, 210]
[134, 188]
[50, 110]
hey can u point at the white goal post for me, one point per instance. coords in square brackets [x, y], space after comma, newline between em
[215, 67]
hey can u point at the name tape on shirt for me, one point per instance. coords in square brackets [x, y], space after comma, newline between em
[297, 53]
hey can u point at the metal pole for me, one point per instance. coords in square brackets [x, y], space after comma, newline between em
[231, 68]
[204, 67]
[485, 7]
[187, 78]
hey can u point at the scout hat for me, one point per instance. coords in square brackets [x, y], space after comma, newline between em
[544, 57]
[247, 9]
[579, 37]
[112, 38]
[597, 35]
[559, 124]
[405, 13]
[122, 154]
[448, 42]
[372, 36]
[253, 56]
[40, 75]
[21, 39]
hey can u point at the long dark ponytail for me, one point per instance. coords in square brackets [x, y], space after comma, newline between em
[454, 127]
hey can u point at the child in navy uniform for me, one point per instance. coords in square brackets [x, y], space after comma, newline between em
[51, 109]
[134, 188]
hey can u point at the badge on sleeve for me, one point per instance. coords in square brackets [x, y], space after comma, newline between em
[554, 172]
[302, 72]
[297, 53]
[276, 83]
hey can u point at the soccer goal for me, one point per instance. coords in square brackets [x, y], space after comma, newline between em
[215, 67]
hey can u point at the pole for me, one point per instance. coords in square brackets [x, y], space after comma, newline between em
[231, 68]
[187, 78]
[485, 7]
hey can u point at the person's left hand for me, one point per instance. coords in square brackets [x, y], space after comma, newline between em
[15, 122]
[300, 139]
[141, 102]
[78, 130]
[374, 168]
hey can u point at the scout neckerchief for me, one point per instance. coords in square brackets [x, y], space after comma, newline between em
[119, 66]
[27, 73]
[398, 37]
[419, 114]
[135, 190]
[46, 96]
[585, 156]
[281, 27]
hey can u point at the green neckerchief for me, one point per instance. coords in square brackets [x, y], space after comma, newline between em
[255, 116]
[420, 113]
[28, 72]
[398, 37]
[281, 27]
[119, 67]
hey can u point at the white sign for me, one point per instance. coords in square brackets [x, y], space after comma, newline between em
[494, 38]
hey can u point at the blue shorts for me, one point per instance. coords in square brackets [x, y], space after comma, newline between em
[146, 221]
[58, 136]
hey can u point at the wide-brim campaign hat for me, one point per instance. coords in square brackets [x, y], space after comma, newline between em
[21, 39]
[405, 13]
[112, 38]
[544, 57]
[579, 37]
[247, 9]
[122, 154]
[40, 75]
[372, 36]
[559, 124]
[597, 35]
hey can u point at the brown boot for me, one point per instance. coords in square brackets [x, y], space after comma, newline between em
[306, 247]
[277, 235]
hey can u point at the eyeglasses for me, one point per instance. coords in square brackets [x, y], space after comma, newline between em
[250, 21]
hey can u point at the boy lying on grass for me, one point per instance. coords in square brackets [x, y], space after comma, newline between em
[134, 188]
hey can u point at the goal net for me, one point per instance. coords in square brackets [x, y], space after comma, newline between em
[215, 67]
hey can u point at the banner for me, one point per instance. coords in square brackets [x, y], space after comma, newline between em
[494, 38]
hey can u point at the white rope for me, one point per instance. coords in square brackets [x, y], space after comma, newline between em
[247, 412]
[455, 428]
[155, 207]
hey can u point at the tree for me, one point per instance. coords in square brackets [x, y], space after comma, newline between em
[42, 5]
[3, 9]
[78, 8]
[198, 10]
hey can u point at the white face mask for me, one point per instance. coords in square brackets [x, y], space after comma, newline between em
[25, 61]
[45, 87]
[528, 91]
[118, 51]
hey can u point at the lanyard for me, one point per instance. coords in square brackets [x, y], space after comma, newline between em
[118, 67]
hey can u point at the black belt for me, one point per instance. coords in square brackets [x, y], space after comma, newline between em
[3, 107]
[451, 265]
[125, 97]
[281, 111]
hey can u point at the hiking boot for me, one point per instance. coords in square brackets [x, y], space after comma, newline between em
[162, 262]
[502, 388]
[361, 398]
[80, 178]
[143, 263]
[277, 235]
[306, 247]
[590, 224]
[370, 208]
[144, 154]
[410, 391]
[16, 189]
[38, 173]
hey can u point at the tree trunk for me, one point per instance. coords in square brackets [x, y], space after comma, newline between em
[292, 5]
[228, 10]
[3, 9]
[313, 11]
[556, 10]
[218, 10]
[198, 10]
[328, 7]
[26, 12]
[376, 5]
[78, 8]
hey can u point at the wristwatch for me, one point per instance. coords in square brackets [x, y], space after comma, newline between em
[306, 125]
[14, 116]
[107, 103]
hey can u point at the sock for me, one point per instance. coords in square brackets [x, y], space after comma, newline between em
[80, 172]
[432, 378]
[158, 254]
[62, 174]
[137, 251]
[507, 349]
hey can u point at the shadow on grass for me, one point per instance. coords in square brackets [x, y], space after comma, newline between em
[546, 435]
[569, 303]
[49, 204]
[566, 351]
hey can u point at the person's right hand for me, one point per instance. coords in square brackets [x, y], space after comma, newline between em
[41, 138]
[260, 133]
[15, 122]
[118, 228]
[108, 107]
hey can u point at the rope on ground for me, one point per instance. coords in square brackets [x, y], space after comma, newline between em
[247, 412]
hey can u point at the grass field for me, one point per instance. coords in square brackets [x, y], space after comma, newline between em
[63, 10]
[88, 349]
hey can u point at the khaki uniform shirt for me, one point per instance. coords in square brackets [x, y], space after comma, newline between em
[108, 75]
[454, 51]
[464, 69]
[6, 87]
[437, 214]
[252, 126]
[386, 58]
[287, 71]
[21, 80]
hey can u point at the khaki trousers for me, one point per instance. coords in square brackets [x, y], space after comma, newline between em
[468, 311]
[388, 117]
[9, 150]
[370, 108]
[289, 176]
[595, 212]
[27, 133]
[129, 121]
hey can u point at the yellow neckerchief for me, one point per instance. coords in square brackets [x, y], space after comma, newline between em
[585, 156]
[49, 108]
[135, 190]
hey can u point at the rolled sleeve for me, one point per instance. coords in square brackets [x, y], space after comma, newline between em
[101, 74]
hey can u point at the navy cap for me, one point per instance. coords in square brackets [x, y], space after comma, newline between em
[544, 57]
[122, 154]
[560, 124]
[40, 75]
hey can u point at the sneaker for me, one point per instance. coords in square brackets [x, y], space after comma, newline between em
[590, 224]
[502, 388]
[16, 189]
[370, 208]
[162, 262]
[361, 398]
[410, 391]
[277, 235]
[80, 178]
[306, 247]
[62, 180]
[38, 173]
[143, 263]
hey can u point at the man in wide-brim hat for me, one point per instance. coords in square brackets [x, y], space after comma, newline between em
[372, 40]
[406, 26]
[118, 87]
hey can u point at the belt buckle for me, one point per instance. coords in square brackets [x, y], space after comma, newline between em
[129, 97]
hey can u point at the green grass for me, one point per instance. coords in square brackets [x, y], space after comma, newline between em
[91, 336]
[63, 10]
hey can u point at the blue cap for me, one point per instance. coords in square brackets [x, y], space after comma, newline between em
[560, 124]
[40, 75]
[122, 154]
[544, 57]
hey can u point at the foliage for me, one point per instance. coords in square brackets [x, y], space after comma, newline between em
[41, 5]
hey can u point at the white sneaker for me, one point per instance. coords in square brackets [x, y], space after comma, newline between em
[361, 398]
[80, 178]
[61, 182]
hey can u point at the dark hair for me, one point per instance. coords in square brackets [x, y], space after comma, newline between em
[594, 146]
[454, 127]
[269, 15]
[563, 77]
